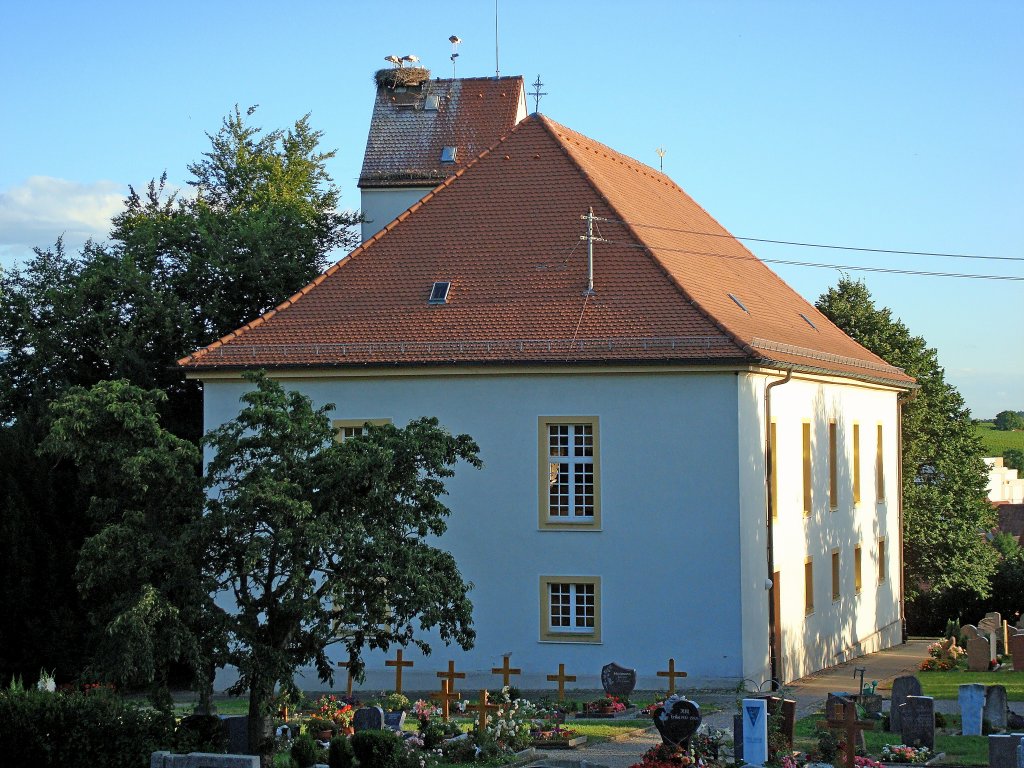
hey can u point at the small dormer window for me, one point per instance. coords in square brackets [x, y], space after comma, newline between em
[432, 103]
[448, 154]
[439, 293]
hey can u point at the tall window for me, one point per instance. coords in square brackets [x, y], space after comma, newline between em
[879, 467]
[836, 588]
[856, 463]
[881, 561]
[856, 568]
[833, 466]
[571, 608]
[570, 494]
[809, 586]
[806, 442]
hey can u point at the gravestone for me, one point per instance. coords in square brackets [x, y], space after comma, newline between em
[755, 731]
[990, 624]
[677, 720]
[917, 721]
[394, 721]
[979, 651]
[972, 702]
[995, 706]
[202, 760]
[236, 729]
[1017, 650]
[969, 631]
[1002, 750]
[904, 686]
[737, 739]
[368, 719]
[787, 709]
[617, 681]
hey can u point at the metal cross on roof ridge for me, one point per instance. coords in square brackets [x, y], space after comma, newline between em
[537, 94]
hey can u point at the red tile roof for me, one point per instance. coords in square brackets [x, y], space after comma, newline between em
[406, 138]
[506, 232]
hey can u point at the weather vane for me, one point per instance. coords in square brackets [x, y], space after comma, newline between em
[537, 93]
[661, 158]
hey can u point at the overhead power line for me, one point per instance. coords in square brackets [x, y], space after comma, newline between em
[814, 245]
[848, 267]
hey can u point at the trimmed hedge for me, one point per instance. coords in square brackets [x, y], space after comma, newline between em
[72, 730]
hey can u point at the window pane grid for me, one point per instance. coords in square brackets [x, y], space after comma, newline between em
[573, 607]
[570, 454]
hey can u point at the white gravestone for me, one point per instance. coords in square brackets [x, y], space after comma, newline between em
[755, 731]
[972, 703]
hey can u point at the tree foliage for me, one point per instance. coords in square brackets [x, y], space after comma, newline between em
[177, 272]
[317, 541]
[1009, 421]
[139, 573]
[946, 513]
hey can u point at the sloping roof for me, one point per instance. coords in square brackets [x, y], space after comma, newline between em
[407, 135]
[506, 232]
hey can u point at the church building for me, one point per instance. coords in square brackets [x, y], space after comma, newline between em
[684, 459]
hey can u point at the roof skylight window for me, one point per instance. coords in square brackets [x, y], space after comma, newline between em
[439, 293]
[738, 303]
[448, 154]
[432, 103]
[808, 320]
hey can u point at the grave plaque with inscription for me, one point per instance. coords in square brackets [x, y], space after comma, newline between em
[677, 721]
[904, 686]
[368, 719]
[917, 721]
[616, 680]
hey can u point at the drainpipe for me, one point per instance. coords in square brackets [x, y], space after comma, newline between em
[773, 628]
[902, 400]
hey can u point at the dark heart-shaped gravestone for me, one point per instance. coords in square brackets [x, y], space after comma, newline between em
[616, 680]
[677, 723]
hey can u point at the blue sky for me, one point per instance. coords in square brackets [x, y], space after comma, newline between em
[875, 124]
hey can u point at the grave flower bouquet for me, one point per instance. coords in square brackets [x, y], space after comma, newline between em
[901, 753]
[329, 707]
[664, 756]
[707, 741]
[942, 656]
[614, 703]
[510, 725]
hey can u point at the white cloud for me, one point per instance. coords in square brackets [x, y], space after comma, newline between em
[38, 211]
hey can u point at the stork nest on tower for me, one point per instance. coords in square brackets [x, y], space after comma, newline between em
[400, 77]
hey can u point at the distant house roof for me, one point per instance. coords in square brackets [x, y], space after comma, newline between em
[412, 127]
[1011, 519]
[670, 284]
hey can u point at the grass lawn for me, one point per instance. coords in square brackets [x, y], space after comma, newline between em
[959, 750]
[997, 442]
[945, 685]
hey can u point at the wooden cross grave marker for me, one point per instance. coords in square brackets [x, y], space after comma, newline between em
[561, 678]
[671, 674]
[398, 663]
[505, 671]
[852, 726]
[483, 707]
[451, 676]
[446, 697]
[347, 666]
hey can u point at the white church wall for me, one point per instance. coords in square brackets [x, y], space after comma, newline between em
[667, 554]
[382, 206]
[855, 622]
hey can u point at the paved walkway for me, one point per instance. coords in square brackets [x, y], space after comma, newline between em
[810, 694]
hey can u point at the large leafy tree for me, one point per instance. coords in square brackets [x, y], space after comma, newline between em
[140, 573]
[946, 513]
[177, 272]
[316, 542]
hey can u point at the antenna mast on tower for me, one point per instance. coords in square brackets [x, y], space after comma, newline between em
[497, 69]
[454, 40]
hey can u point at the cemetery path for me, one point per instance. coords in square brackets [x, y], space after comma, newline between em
[809, 692]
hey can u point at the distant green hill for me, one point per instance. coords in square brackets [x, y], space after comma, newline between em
[996, 442]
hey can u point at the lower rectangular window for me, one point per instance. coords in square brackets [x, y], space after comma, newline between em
[570, 608]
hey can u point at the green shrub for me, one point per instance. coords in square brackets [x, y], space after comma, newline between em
[200, 733]
[73, 730]
[305, 751]
[378, 749]
[940, 720]
[433, 733]
[340, 754]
